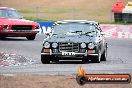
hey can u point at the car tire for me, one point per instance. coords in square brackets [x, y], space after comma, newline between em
[56, 60]
[45, 59]
[104, 55]
[84, 60]
[31, 37]
[98, 58]
[2, 37]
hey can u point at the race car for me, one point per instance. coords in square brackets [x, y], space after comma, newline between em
[12, 24]
[75, 40]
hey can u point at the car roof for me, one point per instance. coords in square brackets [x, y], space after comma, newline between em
[6, 8]
[76, 21]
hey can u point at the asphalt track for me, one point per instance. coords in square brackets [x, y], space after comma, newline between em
[119, 58]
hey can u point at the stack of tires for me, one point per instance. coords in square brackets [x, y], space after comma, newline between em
[127, 13]
[122, 13]
[118, 17]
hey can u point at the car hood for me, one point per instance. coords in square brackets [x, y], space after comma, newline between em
[16, 21]
[75, 38]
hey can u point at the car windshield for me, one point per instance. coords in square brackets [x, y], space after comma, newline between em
[10, 14]
[74, 29]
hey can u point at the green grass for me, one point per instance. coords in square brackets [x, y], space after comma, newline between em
[38, 19]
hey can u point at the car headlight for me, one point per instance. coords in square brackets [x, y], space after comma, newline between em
[83, 45]
[54, 45]
[46, 45]
[91, 45]
[5, 26]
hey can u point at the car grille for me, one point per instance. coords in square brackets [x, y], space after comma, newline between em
[21, 27]
[68, 47]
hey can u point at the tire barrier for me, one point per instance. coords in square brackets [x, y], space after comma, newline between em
[122, 13]
[117, 31]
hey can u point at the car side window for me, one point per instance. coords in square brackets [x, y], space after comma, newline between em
[98, 32]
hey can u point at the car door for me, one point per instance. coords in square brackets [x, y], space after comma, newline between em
[100, 39]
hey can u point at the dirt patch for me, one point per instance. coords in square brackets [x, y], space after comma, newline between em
[39, 81]
[12, 59]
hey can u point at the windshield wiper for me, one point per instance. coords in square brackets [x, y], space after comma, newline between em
[76, 31]
[54, 34]
[88, 33]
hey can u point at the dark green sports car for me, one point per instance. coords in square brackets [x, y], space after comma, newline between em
[74, 40]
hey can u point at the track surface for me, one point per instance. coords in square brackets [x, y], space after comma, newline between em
[119, 58]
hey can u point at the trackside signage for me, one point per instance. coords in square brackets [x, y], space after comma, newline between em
[83, 78]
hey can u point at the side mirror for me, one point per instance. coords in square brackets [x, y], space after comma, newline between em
[21, 17]
[47, 34]
[102, 33]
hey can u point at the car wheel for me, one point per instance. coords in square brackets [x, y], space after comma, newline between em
[45, 59]
[2, 37]
[98, 58]
[31, 37]
[85, 60]
[104, 55]
[56, 60]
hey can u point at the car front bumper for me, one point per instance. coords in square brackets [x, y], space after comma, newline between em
[19, 33]
[69, 54]
[60, 54]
